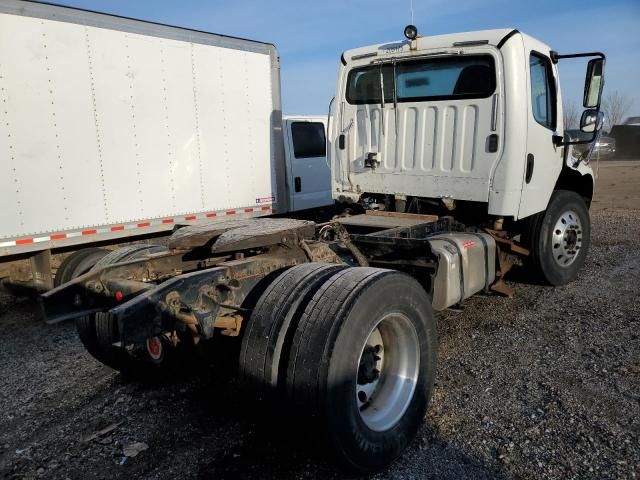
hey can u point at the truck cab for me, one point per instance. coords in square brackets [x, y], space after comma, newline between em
[307, 170]
[453, 145]
[471, 121]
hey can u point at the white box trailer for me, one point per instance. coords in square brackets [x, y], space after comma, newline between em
[112, 128]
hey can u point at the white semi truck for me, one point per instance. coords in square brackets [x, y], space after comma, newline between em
[114, 130]
[450, 155]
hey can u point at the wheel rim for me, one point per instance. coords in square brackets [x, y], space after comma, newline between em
[567, 238]
[387, 372]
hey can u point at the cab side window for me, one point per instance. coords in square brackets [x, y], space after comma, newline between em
[542, 91]
[308, 139]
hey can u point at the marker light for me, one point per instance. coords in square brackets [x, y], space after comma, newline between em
[411, 32]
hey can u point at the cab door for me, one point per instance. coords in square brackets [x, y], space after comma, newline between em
[543, 161]
[309, 177]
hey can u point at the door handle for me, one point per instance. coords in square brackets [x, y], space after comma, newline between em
[297, 184]
[529, 172]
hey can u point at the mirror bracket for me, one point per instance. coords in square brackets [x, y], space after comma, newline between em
[558, 140]
[555, 56]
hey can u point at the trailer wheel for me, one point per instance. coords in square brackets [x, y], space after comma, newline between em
[77, 263]
[272, 323]
[559, 238]
[362, 365]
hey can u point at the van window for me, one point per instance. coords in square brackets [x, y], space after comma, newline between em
[308, 139]
[542, 91]
[448, 78]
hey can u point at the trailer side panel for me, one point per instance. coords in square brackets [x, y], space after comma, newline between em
[109, 123]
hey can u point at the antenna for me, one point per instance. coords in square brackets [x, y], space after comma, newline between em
[411, 9]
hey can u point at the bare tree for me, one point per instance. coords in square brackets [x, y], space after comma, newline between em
[615, 105]
[570, 113]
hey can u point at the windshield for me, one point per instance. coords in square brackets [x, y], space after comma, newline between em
[448, 78]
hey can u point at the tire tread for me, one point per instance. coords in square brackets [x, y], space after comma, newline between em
[272, 321]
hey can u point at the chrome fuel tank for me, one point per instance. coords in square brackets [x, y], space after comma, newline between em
[466, 265]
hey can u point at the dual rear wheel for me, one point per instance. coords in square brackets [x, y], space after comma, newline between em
[350, 353]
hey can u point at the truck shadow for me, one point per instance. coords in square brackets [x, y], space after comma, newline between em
[202, 427]
[270, 453]
[239, 442]
[520, 275]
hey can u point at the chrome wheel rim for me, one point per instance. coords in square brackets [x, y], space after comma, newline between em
[566, 238]
[387, 372]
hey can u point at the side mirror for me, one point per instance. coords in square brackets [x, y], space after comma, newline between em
[593, 83]
[591, 120]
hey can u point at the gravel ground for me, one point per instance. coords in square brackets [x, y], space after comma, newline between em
[542, 385]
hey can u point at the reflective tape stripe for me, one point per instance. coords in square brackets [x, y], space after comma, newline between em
[132, 226]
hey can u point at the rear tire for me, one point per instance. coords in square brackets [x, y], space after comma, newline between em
[106, 329]
[559, 238]
[86, 328]
[158, 361]
[331, 362]
[77, 263]
[98, 333]
[274, 319]
[130, 252]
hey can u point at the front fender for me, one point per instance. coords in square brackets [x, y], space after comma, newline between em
[577, 174]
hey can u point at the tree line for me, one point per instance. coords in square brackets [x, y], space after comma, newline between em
[615, 106]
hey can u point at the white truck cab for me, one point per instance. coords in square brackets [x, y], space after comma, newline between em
[472, 119]
[308, 178]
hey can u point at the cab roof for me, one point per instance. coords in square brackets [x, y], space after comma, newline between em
[480, 37]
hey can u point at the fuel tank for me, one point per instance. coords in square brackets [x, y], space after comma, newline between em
[466, 265]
